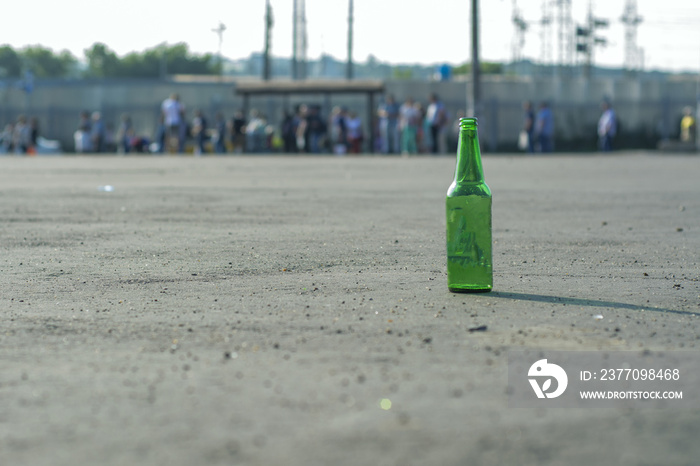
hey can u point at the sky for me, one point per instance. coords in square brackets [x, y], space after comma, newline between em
[393, 31]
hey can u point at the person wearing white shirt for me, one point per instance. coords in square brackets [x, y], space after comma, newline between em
[172, 111]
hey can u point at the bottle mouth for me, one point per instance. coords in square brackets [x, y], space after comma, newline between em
[466, 123]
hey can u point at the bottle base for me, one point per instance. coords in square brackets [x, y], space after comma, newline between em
[469, 290]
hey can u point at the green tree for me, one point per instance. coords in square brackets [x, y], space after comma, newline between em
[10, 63]
[152, 63]
[400, 72]
[137, 65]
[102, 62]
[486, 68]
[180, 61]
[45, 64]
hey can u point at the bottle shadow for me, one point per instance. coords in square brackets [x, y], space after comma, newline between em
[584, 302]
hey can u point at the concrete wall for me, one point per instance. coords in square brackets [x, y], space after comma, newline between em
[649, 109]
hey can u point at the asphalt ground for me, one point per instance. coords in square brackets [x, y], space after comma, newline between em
[268, 310]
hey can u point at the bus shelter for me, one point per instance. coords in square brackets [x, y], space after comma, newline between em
[325, 88]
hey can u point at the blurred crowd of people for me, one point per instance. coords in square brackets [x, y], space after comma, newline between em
[409, 127]
[412, 127]
[174, 133]
[92, 134]
[20, 136]
[303, 131]
[537, 134]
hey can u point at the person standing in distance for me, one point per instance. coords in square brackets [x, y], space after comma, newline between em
[544, 128]
[607, 127]
[172, 111]
[436, 115]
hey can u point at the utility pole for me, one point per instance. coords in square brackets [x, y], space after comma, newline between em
[295, 66]
[299, 40]
[349, 67]
[474, 105]
[268, 30]
[546, 35]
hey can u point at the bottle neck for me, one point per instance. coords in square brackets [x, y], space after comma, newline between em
[469, 168]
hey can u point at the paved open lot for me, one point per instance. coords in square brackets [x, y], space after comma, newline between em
[294, 310]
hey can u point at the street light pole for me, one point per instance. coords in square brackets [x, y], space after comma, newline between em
[349, 69]
[474, 104]
[268, 28]
[220, 32]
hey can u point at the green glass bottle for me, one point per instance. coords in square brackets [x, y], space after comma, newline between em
[468, 208]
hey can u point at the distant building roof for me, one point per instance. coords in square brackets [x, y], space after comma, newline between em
[309, 86]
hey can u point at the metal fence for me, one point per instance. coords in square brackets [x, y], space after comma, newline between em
[643, 122]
